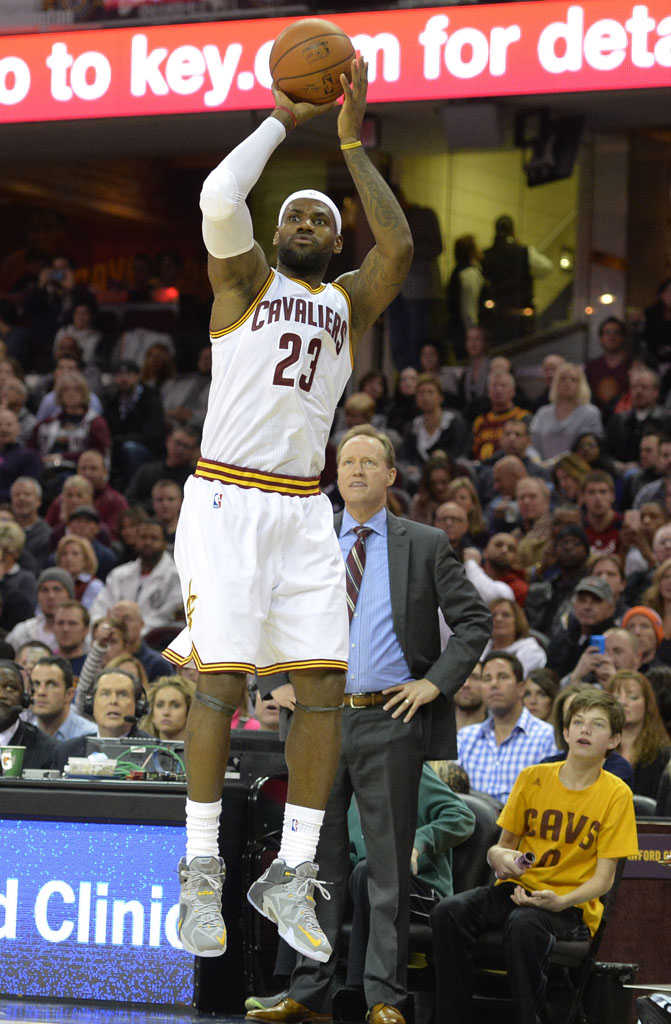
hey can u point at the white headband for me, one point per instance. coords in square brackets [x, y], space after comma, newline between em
[311, 193]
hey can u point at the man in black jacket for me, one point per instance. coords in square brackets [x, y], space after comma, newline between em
[137, 425]
[40, 749]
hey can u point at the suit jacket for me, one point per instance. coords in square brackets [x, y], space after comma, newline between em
[425, 575]
[41, 749]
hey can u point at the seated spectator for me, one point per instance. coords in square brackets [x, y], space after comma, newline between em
[109, 502]
[129, 663]
[469, 705]
[81, 330]
[510, 635]
[540, 689]
[591, 448]
[27, 655]
[658, 489]
[135, 417]
[52, 687]
[178, 465]
[637, 533]
[555, 426]
[129, 520]
[437, 474]
[660, 680]
[462, 490]
[358, 408]
[76, 491]
[549, 366]
[515, 440]
[265, 715]
[185, 397]
[170, 699]
[494, 752]
[15, 459]
[596, 665]
[533, 534]
[567, 883]
[550, 592]
[62, 438]
[17, 586]
[608, 374]
[374, 384]
[25, 500]
[431, 361]
[76, 556]
[403, 408]
[568, 473]
[151, 581]
[117, 696]
[166, 501]
[488, 427]
[13, 396]
[158, 368]
[435, 429]
[84, 522]
[502, 511]
[592, 612]
[109, 643]
[71, 629]
[40, 749]
[645, 741]
[613, 763]
[647, 624]
[15, 338]
[452, 519]
[611, 569]
[130, 615]
[54, 586]
[626, 429]
[493, 574]
[602, 522]
[639, 582]
[45, 395]
[646, 471]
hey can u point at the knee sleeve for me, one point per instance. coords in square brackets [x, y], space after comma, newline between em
[214, 704]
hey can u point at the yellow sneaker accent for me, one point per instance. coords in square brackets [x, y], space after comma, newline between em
[315, 942]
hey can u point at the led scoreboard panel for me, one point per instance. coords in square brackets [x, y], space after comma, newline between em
[89, 911]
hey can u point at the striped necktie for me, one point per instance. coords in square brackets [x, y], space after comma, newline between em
[354, 567]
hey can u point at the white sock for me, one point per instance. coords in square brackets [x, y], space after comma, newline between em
[300, 834]
[202, 829]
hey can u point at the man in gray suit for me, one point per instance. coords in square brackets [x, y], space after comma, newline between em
[398, 713]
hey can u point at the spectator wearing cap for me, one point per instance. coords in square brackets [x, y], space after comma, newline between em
[85, 522]
[550, 594]
[54, 586]
[647, 625]
[135, 416]
[592, 612]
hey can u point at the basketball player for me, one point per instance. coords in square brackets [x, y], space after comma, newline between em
[262, 575]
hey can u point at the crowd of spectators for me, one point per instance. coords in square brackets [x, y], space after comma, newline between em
[558, 505]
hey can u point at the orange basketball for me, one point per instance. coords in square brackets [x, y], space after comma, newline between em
[308, 58]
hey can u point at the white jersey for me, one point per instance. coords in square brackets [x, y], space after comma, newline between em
[277, 376]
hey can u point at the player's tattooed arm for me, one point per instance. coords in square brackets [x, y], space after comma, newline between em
[385, 268]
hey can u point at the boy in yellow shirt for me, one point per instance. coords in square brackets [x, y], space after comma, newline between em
[577, 820]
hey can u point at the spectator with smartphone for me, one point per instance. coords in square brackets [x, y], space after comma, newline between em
[592, 612]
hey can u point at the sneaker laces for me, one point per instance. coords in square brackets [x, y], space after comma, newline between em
[205, 912]
[303, 886]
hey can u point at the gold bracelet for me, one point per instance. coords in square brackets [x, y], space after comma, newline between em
[350, 145]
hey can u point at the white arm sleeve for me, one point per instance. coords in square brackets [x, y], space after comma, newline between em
[488, 589]
[227, 224]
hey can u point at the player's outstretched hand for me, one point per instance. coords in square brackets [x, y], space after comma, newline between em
[354, 102]
[302, 111]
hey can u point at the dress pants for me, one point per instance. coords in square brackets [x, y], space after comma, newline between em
[380, 762]
[529, 938]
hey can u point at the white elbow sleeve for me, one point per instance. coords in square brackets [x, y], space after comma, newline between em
[227, 224]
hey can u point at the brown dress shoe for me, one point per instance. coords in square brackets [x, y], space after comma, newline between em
[288, 1011]
[382, 1013]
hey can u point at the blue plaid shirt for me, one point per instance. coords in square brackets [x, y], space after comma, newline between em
[493, 768]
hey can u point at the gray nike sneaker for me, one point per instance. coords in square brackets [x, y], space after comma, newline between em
[201, 927]
[284, 895]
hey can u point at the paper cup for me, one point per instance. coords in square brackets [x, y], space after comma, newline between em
[11, 761]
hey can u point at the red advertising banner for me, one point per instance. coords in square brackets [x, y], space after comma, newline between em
[428, 54]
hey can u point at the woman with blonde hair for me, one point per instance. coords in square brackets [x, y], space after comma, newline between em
[170, 699]
[568, 473]
[568, 414]
[645, 741]
[130, 664]
[76, 556]
[462, 490]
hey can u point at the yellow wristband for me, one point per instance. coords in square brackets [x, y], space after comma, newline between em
[350, 145]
